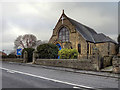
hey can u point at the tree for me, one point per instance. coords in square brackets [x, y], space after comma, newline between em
[19, 42]
[47, 51]
[25, 41]
[12, 55]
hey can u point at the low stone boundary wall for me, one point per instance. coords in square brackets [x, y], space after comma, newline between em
[19, 60]
[84, 64]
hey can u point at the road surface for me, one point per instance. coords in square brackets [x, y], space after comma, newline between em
[19, 76]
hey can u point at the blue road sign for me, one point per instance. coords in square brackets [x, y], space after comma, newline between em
[19, 51]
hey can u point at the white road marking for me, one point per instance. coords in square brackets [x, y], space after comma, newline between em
[75, 85]
[10, 71]
[11, 62]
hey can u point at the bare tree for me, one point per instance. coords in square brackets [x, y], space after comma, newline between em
[19, 42]
[29, 40]
[25, 41]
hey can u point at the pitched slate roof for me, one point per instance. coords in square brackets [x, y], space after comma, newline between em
[89, 34]
[102, 38]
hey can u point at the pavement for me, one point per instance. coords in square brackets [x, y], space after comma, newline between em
[103, 73]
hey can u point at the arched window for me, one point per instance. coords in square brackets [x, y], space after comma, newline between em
[64, 34]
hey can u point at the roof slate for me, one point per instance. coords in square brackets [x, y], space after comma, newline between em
[89, 34]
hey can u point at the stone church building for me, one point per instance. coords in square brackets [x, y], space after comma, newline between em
[69, 33]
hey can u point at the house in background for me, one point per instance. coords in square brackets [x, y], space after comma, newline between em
[69, 33]
[2, 54]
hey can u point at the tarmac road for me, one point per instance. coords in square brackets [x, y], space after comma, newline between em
[19, 76]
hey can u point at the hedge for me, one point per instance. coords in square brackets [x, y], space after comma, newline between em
[47, 51]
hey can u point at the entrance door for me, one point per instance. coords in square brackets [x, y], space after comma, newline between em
[59, 48]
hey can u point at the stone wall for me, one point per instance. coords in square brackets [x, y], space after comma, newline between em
[112, 49]
[80, 40]
[19, 60]
[83, 64]
[103, 48]
[107, 61]
[116, 64]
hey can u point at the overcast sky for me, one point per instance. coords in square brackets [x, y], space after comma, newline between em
[40, 18]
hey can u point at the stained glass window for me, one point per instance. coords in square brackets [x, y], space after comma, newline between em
[64, 34]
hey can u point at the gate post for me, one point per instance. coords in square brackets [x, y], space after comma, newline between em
[34, 57]
[25, 56]
[116, 64]
[96, 58]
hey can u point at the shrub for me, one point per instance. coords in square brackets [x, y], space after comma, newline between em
[66, 53]
[4, 56]
[11, 55]
[47, 51]
[30, 53]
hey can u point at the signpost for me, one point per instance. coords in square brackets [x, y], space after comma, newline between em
[19, 52]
